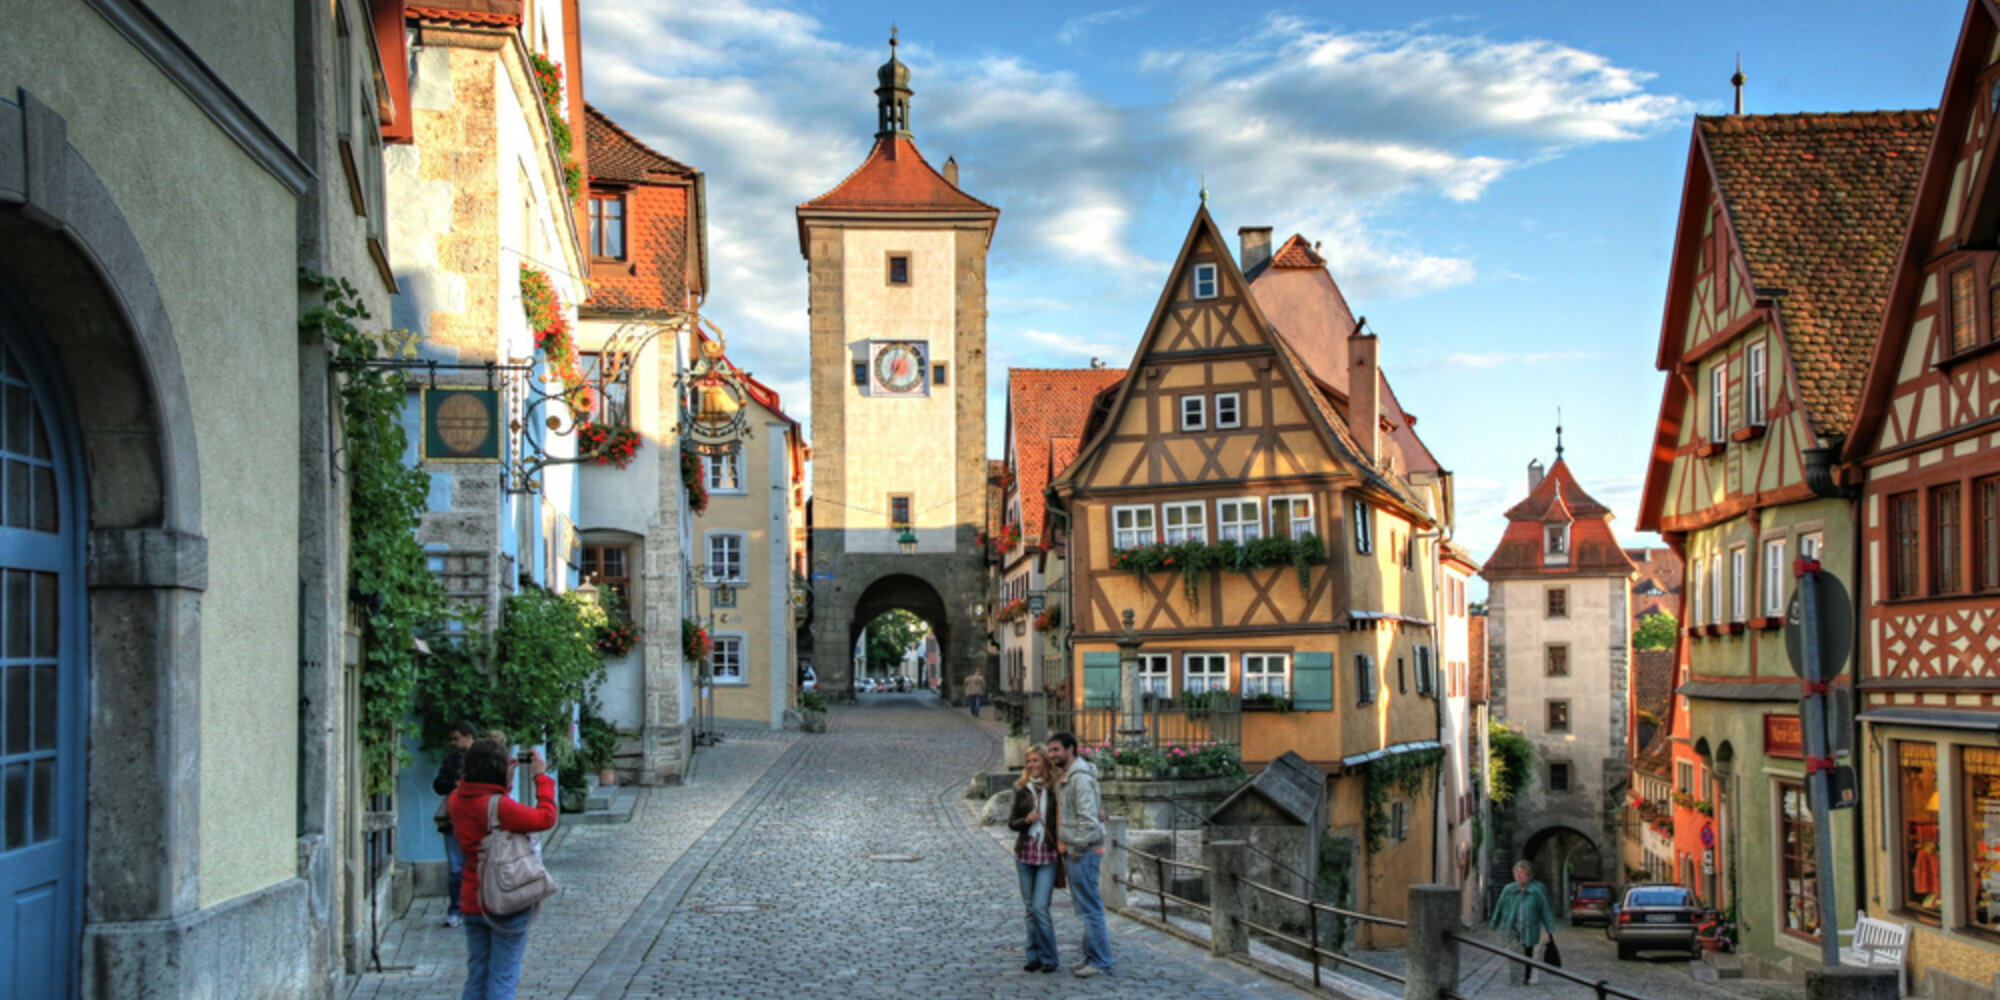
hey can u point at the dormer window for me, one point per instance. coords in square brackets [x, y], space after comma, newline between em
[1205, 283]
[1557, 540]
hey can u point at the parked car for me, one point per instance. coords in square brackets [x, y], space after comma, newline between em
[1590, 901]
[1655, 916]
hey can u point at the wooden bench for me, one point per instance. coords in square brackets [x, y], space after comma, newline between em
[1877, 944]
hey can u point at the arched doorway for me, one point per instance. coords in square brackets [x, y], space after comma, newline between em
[901, 592]
[42, 670]
[1562, 857]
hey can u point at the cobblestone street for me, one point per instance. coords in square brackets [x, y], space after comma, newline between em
[752, 881]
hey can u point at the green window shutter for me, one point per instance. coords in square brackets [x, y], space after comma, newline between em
[1100, 680]
[1312, 682]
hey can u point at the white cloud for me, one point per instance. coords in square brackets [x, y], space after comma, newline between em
[1503, 359]
[1073, 30]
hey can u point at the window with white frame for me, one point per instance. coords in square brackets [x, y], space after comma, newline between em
[1132, 527]
[1206, 285]
[1267, 674]
[1228, 409]
[1205, 672]
[724, 473]
[725, 556]
[726, 659]
[1756, 364]
[1238, 520]
[1715, 588]
[1364, 541]
[1695, 590]
[1718, 403]
[1739, 567]
[1774, 577]
[1156, 675]
[1291, 516]
[1184, 522]
[1194, 413]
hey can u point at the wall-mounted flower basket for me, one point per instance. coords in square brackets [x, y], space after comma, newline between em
[695, 643]
[1196, 560]
[692, 481]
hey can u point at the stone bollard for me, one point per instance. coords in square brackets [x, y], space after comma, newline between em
[1111, 875]
[1431, 958]
[1851, 983]
[1228, 934]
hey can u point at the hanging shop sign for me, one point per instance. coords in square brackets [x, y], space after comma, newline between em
[714, 419]
[461, 425]
[1783, 737]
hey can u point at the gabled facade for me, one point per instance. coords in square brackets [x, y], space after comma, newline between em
[1557, 586]
[1047, 410]
[1781, 259]
[1219, 434]
[643, 230]
[1925, 455]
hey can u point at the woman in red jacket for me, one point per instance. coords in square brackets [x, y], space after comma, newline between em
[494, 943]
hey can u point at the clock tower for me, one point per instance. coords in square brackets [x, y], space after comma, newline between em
[896, 263]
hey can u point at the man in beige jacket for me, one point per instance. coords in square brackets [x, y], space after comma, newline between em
[975, 691]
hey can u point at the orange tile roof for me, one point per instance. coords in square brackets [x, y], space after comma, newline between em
[617, 155]
[1818, 203]
[1297, 253]
[1047, 409]
[505, 13]
[896, 178]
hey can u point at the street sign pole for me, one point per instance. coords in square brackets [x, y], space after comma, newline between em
[1819, 758]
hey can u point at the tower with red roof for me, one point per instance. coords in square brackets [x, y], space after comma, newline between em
[896, 263]
[1559, 646]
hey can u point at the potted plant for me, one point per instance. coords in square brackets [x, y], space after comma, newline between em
[600, 745]
[812, 712]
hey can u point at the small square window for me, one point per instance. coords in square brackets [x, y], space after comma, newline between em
[940, 374]
[1228, 409]
[1558, 715]
[1205, 283]
[899, 511]
[1558, 777]
[899, 269]
[1194, 413]
[1558, 598]
[1557, 658]
[861, 373]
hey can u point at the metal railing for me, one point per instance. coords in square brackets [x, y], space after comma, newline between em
[1160, 863]
[1603, 988]
[1216, 718]
[1312, 948]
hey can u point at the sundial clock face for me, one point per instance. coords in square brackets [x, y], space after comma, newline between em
[899, 368]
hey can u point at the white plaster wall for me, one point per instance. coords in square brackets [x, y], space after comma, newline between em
[904, 444]
[1592, 629]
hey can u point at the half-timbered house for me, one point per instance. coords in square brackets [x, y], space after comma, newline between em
[1787, 231]
[1925, 450]
[1263, 530]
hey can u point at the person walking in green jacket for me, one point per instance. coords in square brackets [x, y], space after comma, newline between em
[1523, 915]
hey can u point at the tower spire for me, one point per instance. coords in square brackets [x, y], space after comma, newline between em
[892, 95]
[1559, 433]
[1737, 80]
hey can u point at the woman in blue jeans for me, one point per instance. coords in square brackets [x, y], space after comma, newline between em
[494, 943]
[1036, 854]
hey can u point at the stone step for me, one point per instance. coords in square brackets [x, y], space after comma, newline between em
[1720, 965]
[610, 805]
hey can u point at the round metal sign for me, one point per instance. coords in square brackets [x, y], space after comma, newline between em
[1835, 616]
[1708, 835]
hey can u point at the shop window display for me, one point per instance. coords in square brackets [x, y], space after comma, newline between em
[1800, 883]
[1916, 768]
[1981, 767]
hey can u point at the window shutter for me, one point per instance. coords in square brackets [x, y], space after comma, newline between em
[1100, 680]
[1312, 682]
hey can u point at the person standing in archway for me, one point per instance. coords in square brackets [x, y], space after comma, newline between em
[1523, 917]
[975, 691]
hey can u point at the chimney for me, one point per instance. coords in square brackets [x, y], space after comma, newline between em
[951, 170]
[1534, 474]
[1364, 395]
[1256, 246]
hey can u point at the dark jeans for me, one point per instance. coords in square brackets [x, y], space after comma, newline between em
[493, 949]
[974, 701]
[1038, 884]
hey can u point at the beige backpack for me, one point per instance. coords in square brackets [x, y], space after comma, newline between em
[511, 876]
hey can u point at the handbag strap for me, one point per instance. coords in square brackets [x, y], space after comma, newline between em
[492, 813]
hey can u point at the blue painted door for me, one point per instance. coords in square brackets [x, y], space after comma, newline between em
[41, 687]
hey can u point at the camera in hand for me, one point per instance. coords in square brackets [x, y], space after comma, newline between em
[526, 758]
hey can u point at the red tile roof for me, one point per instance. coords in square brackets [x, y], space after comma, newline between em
[1658, 587]
[1653, 693]
[1297, 253]
[1047, 409]
[617, 155]
[1818, 204]
[505, 13]
[1593, 549]
[896, 178]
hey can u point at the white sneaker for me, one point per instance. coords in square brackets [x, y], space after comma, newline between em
[453, 920]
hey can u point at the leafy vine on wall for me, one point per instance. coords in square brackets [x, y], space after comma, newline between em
[1409, 773]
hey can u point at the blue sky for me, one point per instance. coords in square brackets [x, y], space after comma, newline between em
[1493, 184]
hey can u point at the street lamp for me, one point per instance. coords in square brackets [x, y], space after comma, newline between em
[907, 541]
